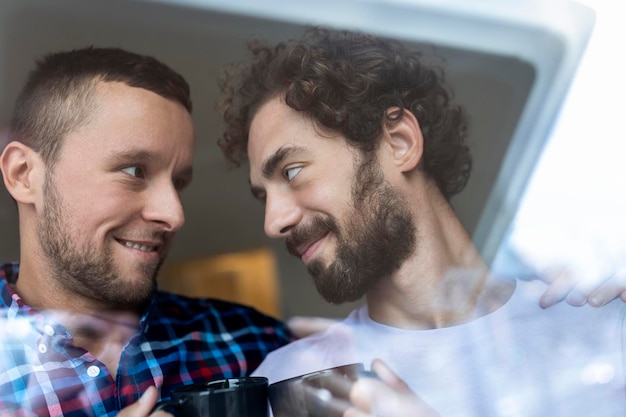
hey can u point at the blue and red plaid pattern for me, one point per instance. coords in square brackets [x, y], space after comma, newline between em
[181, 340]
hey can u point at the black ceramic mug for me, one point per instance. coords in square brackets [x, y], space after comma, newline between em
[323, 393]
[232, 397]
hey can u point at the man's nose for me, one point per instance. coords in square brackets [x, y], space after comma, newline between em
[282, 213]
[164, 207]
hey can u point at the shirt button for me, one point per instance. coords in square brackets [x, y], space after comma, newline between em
[93, 371]
[42, 348]
[49, 330]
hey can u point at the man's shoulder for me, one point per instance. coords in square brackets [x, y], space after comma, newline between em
[213, 315]
[170, 304]
[297, 358]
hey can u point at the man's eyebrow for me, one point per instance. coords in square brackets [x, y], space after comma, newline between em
[133, 156]
[271, 164]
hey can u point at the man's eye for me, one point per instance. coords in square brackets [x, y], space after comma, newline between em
[135, 171]
[290, 173]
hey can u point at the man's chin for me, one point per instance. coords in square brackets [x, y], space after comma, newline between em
[330, 289]
[139, 287]
[134, 298]
[338, 298]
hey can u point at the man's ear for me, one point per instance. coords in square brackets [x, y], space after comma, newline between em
[20, 166]
[404, 138]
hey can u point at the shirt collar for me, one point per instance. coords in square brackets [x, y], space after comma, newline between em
[14, 306]
[8, 277]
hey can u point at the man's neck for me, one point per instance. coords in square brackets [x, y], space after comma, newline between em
[438, 298]
[444, 282]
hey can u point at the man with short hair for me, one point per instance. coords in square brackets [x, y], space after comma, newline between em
[101, 145]
[355, 149]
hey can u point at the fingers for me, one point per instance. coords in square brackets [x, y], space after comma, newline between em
[389, 377]
[587, 285]
[561, 283]
[364, 390]
[388, 396]
[355, 412]
[371, 397]
[578, 290]
[361, 395]
[322, 402]
[613, 288]
[143, 407]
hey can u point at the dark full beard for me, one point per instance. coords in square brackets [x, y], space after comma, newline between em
[84, 271]
[378, 236]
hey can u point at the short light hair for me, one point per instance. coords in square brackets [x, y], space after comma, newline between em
[59, 95]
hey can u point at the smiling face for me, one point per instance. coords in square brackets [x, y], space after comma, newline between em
[336, 212]
[111, 203]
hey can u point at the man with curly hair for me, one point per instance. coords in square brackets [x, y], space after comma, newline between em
[360, 95]
[355, 149]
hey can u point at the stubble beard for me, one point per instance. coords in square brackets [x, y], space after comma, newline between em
[85, 271]
[377, 237]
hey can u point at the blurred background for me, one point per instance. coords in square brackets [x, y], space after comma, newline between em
[509, 68]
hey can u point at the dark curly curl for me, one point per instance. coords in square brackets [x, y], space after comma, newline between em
[347, 81]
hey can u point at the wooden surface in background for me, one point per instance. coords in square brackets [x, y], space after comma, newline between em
[248, 277]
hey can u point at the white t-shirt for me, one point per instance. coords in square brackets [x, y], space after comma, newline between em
[520, 360]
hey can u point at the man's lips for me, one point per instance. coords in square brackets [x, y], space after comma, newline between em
[305, 239]
[140, 245]
[308, 250]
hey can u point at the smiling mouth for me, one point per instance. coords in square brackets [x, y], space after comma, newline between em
[138, 246]
[305, 239]
[306, 251]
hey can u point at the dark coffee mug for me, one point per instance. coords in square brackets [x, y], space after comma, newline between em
[233, 397]
[323, 393]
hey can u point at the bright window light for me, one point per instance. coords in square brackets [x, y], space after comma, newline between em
[574, 210]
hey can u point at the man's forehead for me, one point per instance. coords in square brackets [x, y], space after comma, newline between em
[274, 114]
[276, 125]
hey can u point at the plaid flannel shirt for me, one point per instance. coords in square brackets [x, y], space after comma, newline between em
[180, 341]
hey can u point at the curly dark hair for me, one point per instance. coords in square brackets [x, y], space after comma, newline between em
[346, 81]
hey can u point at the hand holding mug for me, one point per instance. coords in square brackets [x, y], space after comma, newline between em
[232, 397]
[386, 396]
[144, 406]
[347, 391]
[322, 393]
